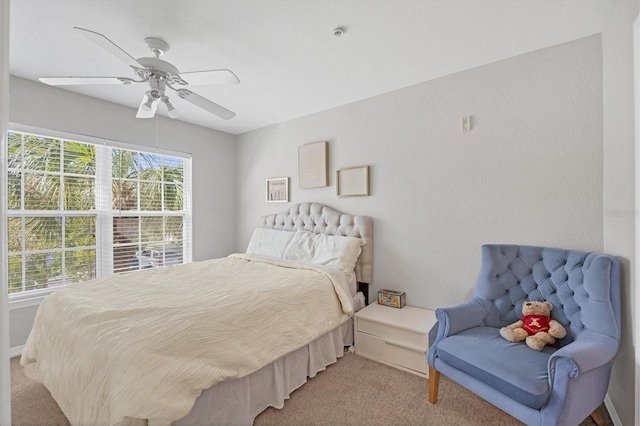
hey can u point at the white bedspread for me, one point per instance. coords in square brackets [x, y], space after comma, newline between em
[145, 345]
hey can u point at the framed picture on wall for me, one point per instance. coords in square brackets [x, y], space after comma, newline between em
[352, 181]
[312, 165]
[278, 190]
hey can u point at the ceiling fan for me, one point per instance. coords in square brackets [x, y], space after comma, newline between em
[160, 75]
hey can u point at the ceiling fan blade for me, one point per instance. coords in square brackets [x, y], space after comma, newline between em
[66, 81]
[210, 77]
[143, 112]
[206, 104]
[110, 46]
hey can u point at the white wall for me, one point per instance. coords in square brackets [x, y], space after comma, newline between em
[5, 388]
[213, 154]
[619, 199]
[529, 171]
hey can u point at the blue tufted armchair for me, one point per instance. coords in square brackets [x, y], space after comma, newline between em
[559, 385]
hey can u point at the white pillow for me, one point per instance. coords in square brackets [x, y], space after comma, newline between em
[322, 249]
[269, 242]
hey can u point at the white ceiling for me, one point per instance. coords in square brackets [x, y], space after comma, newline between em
[284, 52]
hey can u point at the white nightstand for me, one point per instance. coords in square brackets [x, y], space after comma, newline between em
[396, 337]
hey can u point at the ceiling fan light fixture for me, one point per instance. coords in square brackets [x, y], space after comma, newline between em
[147, 105]
[173, 113]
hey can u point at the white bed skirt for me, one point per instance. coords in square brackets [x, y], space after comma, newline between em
[239, 401]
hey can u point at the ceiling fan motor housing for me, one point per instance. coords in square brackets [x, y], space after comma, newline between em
[155, 68]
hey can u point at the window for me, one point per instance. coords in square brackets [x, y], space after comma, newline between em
[148, 199]
[79, 210]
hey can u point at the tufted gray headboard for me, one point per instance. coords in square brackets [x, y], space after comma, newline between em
[318, 218]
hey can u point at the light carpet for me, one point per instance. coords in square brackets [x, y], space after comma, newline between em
[353, 391]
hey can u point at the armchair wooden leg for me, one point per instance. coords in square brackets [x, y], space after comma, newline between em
[434, 382]
[597, 418]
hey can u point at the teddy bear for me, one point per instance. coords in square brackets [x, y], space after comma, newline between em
[536, 326]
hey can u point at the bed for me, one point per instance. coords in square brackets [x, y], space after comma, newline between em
[190, 352]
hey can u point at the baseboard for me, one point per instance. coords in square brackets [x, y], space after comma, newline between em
[612, 411]
[16, 351]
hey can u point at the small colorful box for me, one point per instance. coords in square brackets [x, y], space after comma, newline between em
[393, 298]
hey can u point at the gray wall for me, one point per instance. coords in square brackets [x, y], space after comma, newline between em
[213, 154]
[619, 192]
[529, 171]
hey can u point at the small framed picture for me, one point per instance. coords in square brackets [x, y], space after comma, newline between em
[278, 190]
[353, 181]
[312, 165]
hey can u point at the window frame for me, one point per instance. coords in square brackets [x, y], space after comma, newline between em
[103, 211]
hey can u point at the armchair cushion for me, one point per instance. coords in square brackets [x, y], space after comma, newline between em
[482, 353]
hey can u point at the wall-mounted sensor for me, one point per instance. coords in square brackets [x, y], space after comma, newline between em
[466, 123]
[338, 31]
